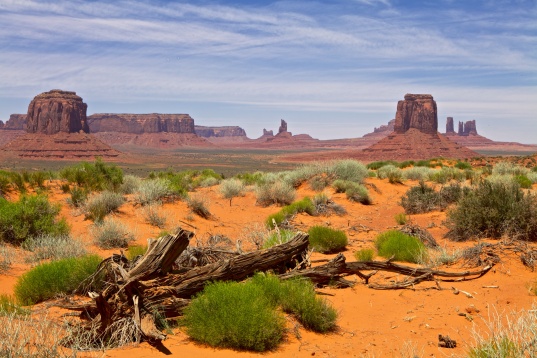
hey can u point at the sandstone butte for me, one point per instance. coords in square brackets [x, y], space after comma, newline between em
[57, 127]
[415, 134]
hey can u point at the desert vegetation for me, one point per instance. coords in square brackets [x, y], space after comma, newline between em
[458, 217]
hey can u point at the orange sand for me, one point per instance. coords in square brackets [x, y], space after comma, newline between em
[372, 323]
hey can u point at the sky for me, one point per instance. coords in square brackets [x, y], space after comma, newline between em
[332, 69]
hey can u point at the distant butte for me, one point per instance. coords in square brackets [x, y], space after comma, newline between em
[56, 127]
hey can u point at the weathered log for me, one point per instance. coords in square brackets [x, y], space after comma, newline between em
[160, 256]
[235, 269]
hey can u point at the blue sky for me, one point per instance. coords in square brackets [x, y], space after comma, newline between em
[333, 69]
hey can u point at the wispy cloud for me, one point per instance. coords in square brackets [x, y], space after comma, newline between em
[354, 59]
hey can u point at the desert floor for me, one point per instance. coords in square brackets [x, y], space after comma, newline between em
[371, 323]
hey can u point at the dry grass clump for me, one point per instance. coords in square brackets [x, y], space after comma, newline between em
[506, 335]
[278, 192]
[151, 191]
[231, 188]
[7, 256]
[198, 205]
[130, 184]
[152, 215]
[111, 234]
[102, 204]
[54, 247]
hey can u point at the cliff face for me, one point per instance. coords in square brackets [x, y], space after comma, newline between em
[16, 122]
[141, 123]
[416, 111]
[57, 111]
[226, 131]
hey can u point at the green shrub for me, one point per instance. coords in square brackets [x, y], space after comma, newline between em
[65, 188]
[130, 184]
[364, 255]
[152, 215]
[50, 279]
[94, 176]
[298, 298]
[379, 164]
[302, 206]
[350, 170]
[208, 182]
[78, 197]
[523, 181]
[234, 315]
[152, 191]
[251, 178]
[393, 173]
[136, 250]
[17, 182]
[401, 218]
[102, 204]
[198, 206]
[313, 312]
[358, 193]
[451, 194]
[532, 176]
[463, 165]
[278, 237]
[400, 246]
[406, 164]
[421, 199]
[327, 240]
[30, 216]
[231, 188]
[424, 163]
[53, 247]
[110, 234]
[506, 168]
[340, 186]
[493, 210]
[418, 173]
[319, 182]
[37, 179]
[279, 192]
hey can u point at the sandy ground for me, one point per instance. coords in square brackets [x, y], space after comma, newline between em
[371, 323]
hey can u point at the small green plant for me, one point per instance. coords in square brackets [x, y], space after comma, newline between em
[102, 204]
[326, 240]
[231, 188]
[65, 188]
[136, 250]
[401, 219]
[401, 247]
[277, 237]
[110, 234]
[53, 278]
[463, 165]
[358, 193]
[78, 197]
[198, 206]
[235, 315]
[364, 255]
[30, 216]
[379, 164]
[302, 206]
[94, 176]
[393, 173]
[523, 181]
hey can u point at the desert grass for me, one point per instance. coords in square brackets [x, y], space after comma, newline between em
[152, 191]
[111, 233]
[327, 240]
[102, 204]
[400, 247]
[231, 188]
[364, 255]
[278, 192]
[152, 215]
[302, 206]
[277, 237]
[199, 206]
[47, 280]
[7, 257]
[511, 334]
[53, 247]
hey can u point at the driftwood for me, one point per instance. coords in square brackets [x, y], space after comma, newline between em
[136, 292]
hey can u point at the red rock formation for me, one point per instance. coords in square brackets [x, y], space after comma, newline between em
[461, 129]
[450, 129]
[384, 128]
[470, 128]
[283, 127]
[415, 135]
[141, 123]
[227, 131]
[416, 111]
[267, 133]
[57, 128]
[16, 122]
[57, 111]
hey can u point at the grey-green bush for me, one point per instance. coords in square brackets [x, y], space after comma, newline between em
[111, 234]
